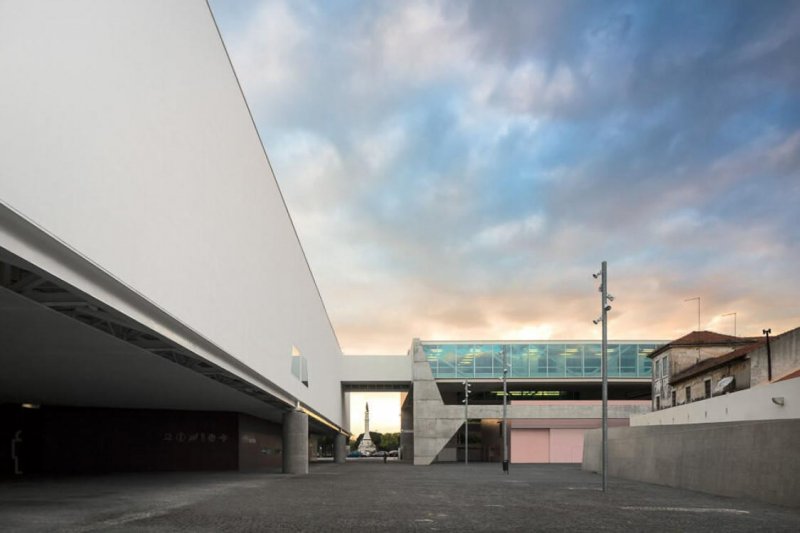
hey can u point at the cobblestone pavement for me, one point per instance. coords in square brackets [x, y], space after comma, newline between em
[373, 496]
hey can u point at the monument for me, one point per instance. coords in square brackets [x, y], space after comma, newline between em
[366, 447]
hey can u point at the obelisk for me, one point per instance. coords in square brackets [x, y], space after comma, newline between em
[366, 447]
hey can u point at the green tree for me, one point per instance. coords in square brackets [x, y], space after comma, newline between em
[390, 441]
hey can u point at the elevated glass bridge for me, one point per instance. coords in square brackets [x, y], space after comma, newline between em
[539, 359]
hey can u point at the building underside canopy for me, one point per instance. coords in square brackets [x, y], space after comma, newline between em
[61, 348]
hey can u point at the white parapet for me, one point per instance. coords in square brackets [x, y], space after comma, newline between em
[764, 402]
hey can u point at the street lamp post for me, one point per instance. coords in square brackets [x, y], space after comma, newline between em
[769, 354]
[604, 299]
[466, 421]
[505, 419]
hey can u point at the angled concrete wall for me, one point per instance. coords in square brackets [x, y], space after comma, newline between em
[757, 459]
[434, 422]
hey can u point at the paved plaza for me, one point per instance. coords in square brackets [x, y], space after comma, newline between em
[372, 496]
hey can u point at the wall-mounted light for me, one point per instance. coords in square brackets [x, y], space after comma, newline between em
[30, 406]
[779, 400]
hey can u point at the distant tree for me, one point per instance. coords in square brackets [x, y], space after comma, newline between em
[390, 441]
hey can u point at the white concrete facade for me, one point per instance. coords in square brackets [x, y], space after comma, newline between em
[126, 147]
[750, 404]
[376, 369]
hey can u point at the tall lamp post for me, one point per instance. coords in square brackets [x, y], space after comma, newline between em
[505, 419]
[769, 354]
[605, 308]
[467, 387]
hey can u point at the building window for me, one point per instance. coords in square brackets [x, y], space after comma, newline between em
[674, 398]
[664, 367]
[657, 370]
[707, 385]
[299, 366]
[658, 403]
[688, 394]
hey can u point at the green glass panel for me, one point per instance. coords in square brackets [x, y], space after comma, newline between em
[519, 360]
[445, 358]
[556, 360]
[537, 360]
[613, 360]
[497, 359]
[537, 357]
[592, 360]
[573, 360]
[483, 355]
[447, 362]
[465, 360]
[627, 360]
[645, 366]
[432, 355]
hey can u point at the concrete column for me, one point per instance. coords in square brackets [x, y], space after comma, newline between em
[407, 428]
[339, 449]
[295, 443]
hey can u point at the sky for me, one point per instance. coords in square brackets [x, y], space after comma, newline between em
[458, 170]
[384, 412]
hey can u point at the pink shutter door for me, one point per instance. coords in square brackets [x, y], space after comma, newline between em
[566, 445]
[530, 446]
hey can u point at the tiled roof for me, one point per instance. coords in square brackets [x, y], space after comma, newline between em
[703, 338]
[710, 364]
[790, 375]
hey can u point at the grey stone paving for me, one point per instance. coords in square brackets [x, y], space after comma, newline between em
[373, 496]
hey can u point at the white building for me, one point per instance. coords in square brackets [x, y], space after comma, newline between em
[148, 263]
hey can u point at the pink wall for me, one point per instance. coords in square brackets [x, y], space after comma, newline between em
[579, 402]
[577, 423]
[566, 445]
[556, 440]
[545, 445]
[530, 446]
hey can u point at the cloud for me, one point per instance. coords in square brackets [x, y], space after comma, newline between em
[512, 233]
[418, 41]
[458, 169]
[267, 49]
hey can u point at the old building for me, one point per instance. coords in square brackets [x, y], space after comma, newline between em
[740, 369]
[717, 375]
[684, 353]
